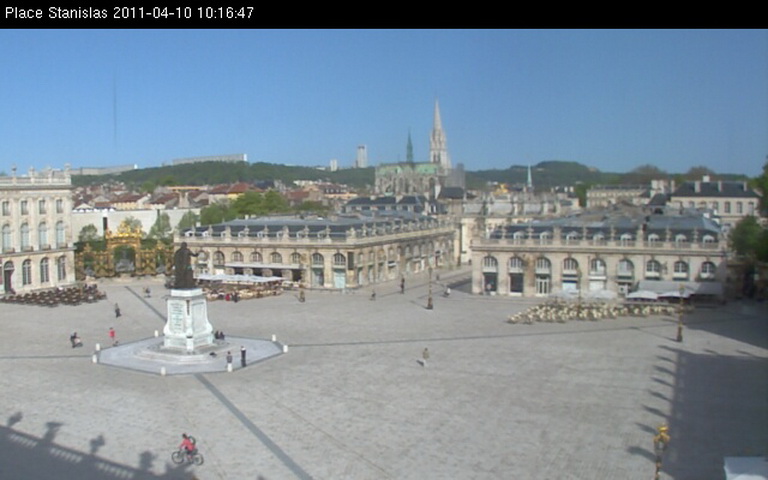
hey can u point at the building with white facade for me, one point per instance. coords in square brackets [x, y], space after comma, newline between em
[606, 250]
[37, 250]
[324, 253]
[361, 161]
[729, 200]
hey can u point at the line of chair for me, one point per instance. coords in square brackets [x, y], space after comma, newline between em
[58, 296]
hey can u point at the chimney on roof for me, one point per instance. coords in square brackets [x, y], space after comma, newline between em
[697, 186]
[719, 185]
[705, 178]
[744, 184]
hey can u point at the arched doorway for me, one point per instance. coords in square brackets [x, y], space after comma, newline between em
[8, 269]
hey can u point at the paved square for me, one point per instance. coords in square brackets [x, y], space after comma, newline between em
[349, 400]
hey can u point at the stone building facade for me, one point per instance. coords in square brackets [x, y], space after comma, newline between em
[37, 250]
[590, 253]
[324, 253]
[729, 200]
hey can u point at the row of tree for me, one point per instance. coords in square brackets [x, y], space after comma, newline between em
[545, 175]
[252, 204]
[248, 204]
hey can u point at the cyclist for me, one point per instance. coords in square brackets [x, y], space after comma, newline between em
[187, 444]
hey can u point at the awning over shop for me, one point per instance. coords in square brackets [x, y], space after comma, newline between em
[667, 288]
[235, 279]
[271, 266]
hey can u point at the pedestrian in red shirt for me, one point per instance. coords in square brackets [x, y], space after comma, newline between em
[112, 336]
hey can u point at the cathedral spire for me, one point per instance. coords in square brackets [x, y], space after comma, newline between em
[438, 148]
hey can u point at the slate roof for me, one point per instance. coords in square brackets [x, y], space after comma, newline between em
[724, 188]
[620, 223]
[337, 227]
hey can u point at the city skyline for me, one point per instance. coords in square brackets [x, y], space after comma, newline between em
[613, 100]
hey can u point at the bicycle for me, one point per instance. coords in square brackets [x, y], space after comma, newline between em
[180, 455]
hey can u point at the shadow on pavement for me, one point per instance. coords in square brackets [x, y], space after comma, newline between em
[25, 456]
[719, 409]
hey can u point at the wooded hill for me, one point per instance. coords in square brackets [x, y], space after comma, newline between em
[545, 174]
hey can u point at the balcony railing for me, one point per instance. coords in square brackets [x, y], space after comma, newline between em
[554, 242]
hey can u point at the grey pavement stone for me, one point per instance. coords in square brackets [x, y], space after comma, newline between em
[349, 400]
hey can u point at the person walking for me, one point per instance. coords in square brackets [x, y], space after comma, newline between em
[242, 356]
[112, 336]
[402, 284]
[229, 361]
[425, 357]
[117, 311]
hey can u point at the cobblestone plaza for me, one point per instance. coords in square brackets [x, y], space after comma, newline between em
[350, 400]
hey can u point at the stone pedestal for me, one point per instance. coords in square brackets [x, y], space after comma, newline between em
[187, 328]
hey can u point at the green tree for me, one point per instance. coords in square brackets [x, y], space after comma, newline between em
[161, 230]
[581, 193]
[89, 233]
[216, 213]
[745, 238]
[695, 173]
[189, 220]
[644, 174]
[132, 223]
[249, 203]
[761, 184]
[148, 186]
[275, 203]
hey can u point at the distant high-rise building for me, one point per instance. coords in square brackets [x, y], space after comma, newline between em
[362, 157]
[438, 147]
[334, 165]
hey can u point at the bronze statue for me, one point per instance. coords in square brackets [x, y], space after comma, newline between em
[182, 265]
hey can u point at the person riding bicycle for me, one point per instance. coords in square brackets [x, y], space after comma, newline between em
[187, 444]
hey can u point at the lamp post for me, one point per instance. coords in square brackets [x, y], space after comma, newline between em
[680, 315]
[660, 443]
[429, 298]
[578, 286]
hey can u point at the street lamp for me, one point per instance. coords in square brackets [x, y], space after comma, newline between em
[660, 443]
[578, 286]
[680, 315]
[429, 298]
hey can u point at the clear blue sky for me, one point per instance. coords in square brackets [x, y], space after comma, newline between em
[611, 99]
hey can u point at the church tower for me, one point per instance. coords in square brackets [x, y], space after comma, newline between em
[438, 148]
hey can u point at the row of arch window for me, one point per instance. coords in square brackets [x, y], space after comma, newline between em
[597, 266]
[295, 258]
[274, 257]
[25, 235]
[44, 270]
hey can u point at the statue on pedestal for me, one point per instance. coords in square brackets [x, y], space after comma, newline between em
[182, 264]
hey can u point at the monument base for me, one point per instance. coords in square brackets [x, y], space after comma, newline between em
[187, 328]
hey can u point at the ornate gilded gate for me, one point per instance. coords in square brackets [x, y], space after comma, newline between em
[135, 258]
